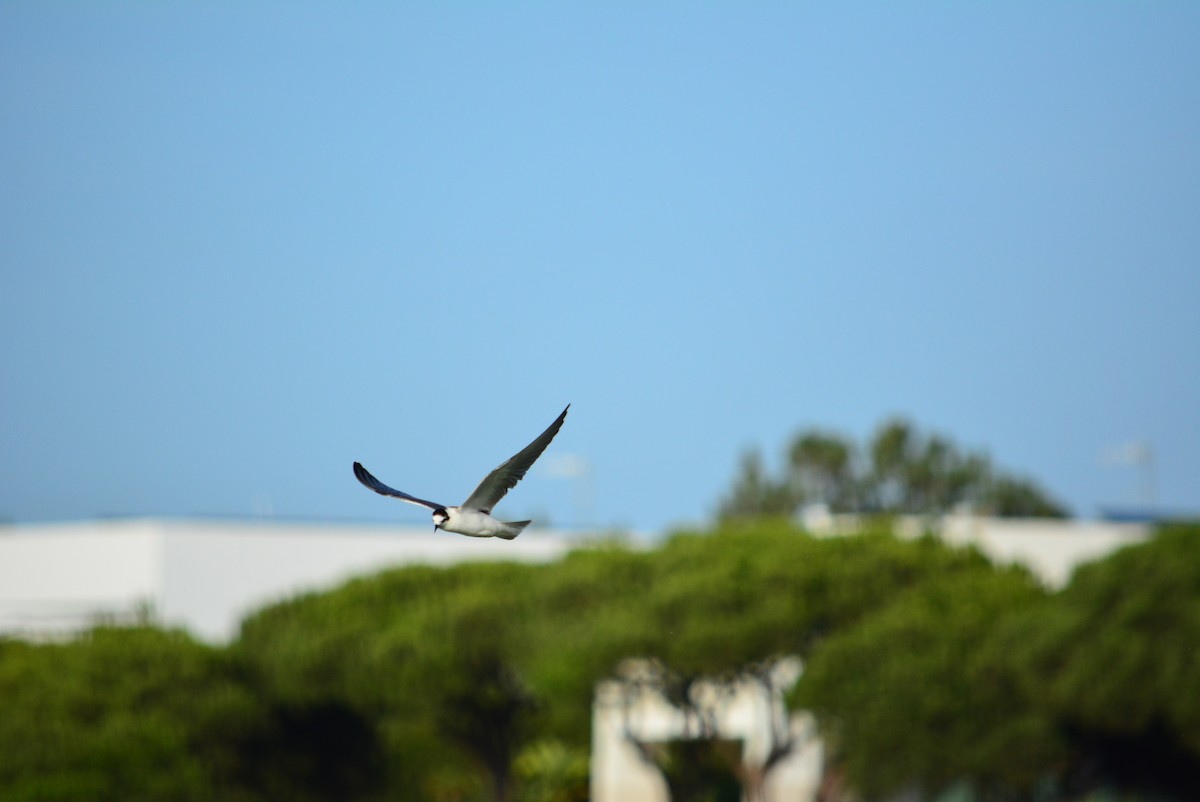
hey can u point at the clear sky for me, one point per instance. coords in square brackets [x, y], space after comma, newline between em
[245, 244]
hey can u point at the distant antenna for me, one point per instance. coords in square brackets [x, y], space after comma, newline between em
[1138, 453]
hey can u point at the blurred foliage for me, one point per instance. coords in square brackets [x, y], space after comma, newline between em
[120, 715]
[1117, 661]
[145, 714]
[928, 668]
[900, 470]
[701, 769]
[551, 771]
[920, 693]
[1024, 694]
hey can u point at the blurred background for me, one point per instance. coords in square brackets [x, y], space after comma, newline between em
[801, 270]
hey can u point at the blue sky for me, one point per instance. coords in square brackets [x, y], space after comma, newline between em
[244, 245]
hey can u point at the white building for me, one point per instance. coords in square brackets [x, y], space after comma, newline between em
[1049, 547]
[747, 713]
[206, 576]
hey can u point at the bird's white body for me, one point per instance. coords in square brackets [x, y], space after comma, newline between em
[473, 517]
[474, 523]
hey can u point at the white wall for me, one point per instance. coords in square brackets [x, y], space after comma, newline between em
[206, 576]
[619, 774]
[1051, 549]
[216, 574]
[58, 578]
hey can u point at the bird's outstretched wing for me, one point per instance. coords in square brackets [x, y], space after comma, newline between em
[364, 476]
[504, 478]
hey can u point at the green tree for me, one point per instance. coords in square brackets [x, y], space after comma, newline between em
[724, 608]
[551, 771]
[985, 680]
[923, 693]
[822, 468]
[474, 671]
[1117, 661]
[892, 451]
[900, 470]
[755, 493]
[360, 647]
[446, 661]
[1013, 497]
[125, 714]
[583, 624]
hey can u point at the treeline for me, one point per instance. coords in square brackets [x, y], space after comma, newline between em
[899, 470]
[928, 668]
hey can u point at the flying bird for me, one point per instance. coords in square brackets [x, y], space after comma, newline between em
[474, 516]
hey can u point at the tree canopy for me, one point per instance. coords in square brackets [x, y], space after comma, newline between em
[920, 694]
[899, 470]
[147, 714]
[993, 681]
[927, 667]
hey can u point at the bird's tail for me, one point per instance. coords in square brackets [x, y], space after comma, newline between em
[517, 526]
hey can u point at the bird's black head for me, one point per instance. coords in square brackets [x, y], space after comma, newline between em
[439, 517]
